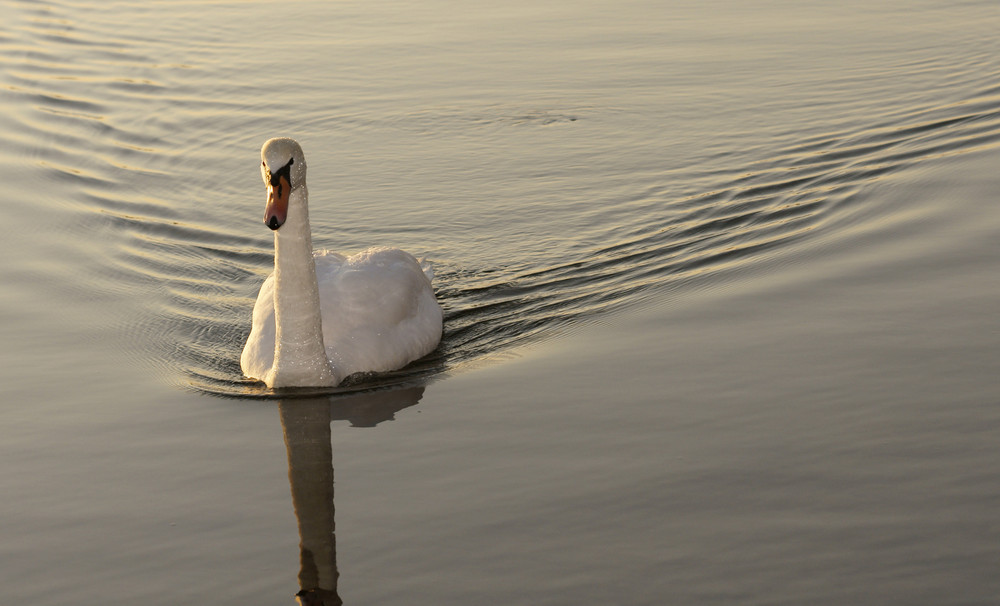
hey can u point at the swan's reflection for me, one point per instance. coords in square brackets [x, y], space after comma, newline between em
[306, 425]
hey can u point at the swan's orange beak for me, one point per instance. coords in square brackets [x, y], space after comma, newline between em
[276, 210]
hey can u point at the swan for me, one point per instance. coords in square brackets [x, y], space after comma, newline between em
[321, 317]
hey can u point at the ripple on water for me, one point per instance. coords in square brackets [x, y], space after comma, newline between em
[154, 153]
[761, 209]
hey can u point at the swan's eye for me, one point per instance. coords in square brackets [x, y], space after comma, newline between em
[291, 161]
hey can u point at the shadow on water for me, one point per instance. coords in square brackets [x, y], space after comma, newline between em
[305, 423]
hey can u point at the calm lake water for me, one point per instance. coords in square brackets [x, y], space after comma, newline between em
[720, 286]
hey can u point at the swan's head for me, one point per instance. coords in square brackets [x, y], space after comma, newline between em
[283, 167]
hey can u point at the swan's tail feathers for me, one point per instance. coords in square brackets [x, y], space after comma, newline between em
[428, 269]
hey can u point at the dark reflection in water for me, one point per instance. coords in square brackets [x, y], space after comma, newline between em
[306, 427]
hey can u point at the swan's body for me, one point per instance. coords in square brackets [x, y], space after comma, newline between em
[322, 317]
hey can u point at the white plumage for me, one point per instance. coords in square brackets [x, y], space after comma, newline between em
[322, 317]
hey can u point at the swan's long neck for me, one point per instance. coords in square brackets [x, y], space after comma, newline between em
[299, 353]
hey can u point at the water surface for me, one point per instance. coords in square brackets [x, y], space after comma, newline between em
[719, 283]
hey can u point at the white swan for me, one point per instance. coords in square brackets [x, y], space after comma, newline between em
[319, 318]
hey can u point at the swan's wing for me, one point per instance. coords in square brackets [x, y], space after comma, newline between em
[379, 310]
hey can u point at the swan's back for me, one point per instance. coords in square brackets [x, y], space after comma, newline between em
[378, 308]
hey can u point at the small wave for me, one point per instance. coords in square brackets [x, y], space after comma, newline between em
[133, 137]
[768, 207]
